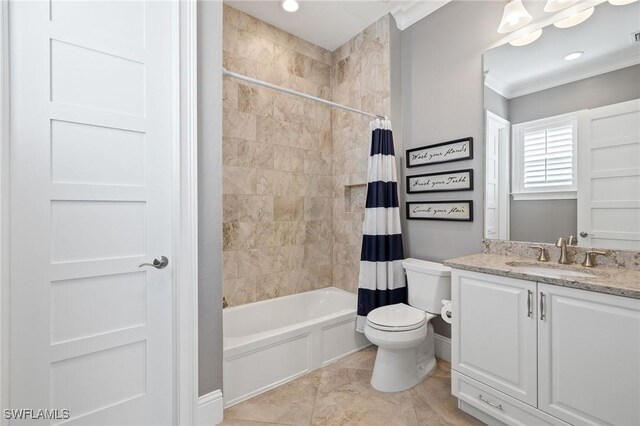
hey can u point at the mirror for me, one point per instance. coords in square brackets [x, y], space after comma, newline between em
[562, 134]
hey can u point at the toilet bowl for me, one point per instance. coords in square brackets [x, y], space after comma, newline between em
[403, 333]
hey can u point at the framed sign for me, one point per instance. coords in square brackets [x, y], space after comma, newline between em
[445, 152]
[455, 180]
[458, 211]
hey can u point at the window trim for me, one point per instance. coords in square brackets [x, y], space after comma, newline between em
[517, 160]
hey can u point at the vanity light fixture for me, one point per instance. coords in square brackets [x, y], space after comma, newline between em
[573, 56]
[575, 19]
[527, 38]
[621, 2]
[556, 5]
[290, 5]
[514, 17]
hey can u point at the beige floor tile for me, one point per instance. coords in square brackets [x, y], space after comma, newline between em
[341, 394]
[345, 397]
[239, 422]
[361, 360]
[435, 405]
[289, 404]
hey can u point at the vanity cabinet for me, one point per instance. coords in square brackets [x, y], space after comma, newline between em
[589, 357]
[495, 333]
[571, 356]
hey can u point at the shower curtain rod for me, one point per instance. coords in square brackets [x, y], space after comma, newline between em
[295, 93]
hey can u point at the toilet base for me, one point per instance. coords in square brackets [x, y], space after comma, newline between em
[396, 370]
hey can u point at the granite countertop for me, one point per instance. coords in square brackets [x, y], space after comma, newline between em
[617, 281]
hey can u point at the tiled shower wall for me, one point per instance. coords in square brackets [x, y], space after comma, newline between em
[277, 220]
[292, 223]
[360, 78]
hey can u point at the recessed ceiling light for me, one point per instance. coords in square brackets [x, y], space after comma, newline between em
[621, 2]
[573, 56]
[527, 38]
[290, 5]
[575, 19]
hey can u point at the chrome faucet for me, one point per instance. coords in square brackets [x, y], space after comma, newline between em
[564, 260]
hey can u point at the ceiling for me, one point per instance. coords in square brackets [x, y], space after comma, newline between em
[605, 39]
[326, 23]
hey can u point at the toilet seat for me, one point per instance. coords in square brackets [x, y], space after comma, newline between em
[396, 318]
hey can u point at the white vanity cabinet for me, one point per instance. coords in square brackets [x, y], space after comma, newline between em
[523, 350]
[495, 333]
[589, 357]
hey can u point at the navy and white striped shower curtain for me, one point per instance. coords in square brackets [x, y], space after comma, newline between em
[381, 280]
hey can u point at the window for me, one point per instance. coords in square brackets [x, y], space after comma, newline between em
[544, 158]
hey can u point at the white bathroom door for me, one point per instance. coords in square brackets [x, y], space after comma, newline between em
[497, 138]
[609, 176]
[90, 199]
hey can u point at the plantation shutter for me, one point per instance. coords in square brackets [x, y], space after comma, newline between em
[548, 157]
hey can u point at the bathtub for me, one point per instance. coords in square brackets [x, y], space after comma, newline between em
[271, 342]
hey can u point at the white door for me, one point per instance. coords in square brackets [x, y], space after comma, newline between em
[589, 357]
[497, 139]
[91, 133]
[494, 332]
[609, 177]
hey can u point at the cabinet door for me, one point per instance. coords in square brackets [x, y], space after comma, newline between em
[494, 332]
[589, 357]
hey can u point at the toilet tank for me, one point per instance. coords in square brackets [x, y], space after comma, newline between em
[427, 284]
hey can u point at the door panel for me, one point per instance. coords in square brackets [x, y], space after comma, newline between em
[494, 332]
[589, 357]
[91, 128]
[609, 177]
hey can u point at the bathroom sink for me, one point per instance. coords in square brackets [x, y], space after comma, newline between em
[552, 271]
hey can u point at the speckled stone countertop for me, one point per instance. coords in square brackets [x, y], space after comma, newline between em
[617, 281]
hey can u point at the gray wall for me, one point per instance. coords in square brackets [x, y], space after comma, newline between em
[442, 100]
[543, 221]
[604, 89]
[496, 103]
[395, 52]
[209, 196]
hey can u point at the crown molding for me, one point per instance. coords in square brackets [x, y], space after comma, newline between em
[412, 11]
[605, 65]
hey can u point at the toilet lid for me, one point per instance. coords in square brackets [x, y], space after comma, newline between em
[398, 316]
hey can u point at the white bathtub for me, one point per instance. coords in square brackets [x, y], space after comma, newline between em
[271, 342]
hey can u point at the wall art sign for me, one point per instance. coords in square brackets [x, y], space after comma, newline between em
[454, 180]
[459, 211]
[445, 152]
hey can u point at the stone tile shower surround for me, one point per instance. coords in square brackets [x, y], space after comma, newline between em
[277, 218]
[294, 171]
[360, 78]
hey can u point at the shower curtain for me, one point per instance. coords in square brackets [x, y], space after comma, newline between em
[381, 280]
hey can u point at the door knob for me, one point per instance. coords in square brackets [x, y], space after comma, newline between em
[584, 234]
[158, 263]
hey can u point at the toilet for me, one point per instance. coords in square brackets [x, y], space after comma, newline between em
[403, 333]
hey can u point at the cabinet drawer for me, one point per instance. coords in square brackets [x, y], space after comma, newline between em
[498, 405]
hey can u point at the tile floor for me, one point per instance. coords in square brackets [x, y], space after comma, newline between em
[340, 394]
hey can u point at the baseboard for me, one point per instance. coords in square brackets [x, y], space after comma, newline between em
[210, 409]
[443, 347]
